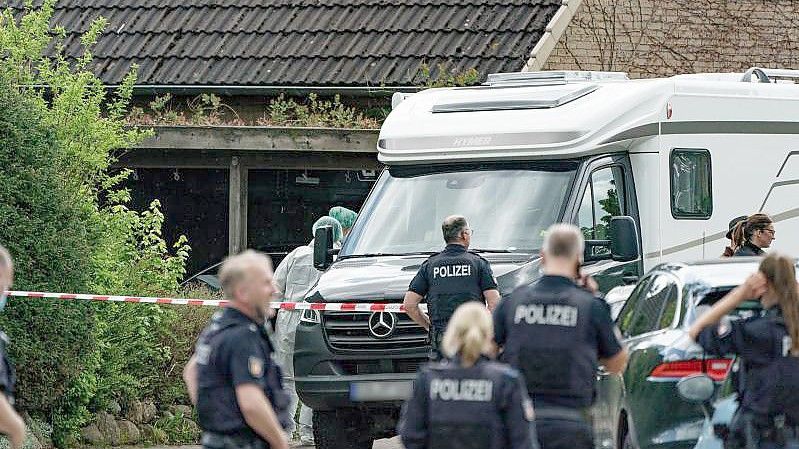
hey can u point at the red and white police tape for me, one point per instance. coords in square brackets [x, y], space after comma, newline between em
[321, 306]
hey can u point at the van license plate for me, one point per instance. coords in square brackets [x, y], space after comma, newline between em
[380, 391]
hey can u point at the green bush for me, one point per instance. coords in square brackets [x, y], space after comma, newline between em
[47, 233]
[314, 112]
[177, 336]
[179, 429]
[67, 226]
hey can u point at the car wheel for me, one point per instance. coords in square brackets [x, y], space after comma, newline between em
[339, 430]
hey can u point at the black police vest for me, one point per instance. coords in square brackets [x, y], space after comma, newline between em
[210, 408]
[773, 390]
[550, 344]
[454, 279]
[465, 405]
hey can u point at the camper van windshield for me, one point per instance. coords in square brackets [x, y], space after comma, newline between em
[507, 209]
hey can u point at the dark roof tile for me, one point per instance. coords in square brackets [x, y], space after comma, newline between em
[302, 42]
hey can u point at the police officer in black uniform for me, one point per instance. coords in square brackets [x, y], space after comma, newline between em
[556, 332]
[11, 424]
[468, 401]
[449, 279]
[768, 345]
[758, 232]
[231, 377]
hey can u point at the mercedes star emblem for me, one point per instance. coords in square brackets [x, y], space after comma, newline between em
[382, 324]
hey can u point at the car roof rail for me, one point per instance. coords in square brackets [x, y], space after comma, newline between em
[769, 75]
[551, 77]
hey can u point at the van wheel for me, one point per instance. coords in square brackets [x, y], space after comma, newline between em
[340, 430]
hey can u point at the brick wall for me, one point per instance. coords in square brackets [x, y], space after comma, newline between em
[665, 37]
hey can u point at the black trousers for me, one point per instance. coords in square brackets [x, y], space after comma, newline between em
[564, 434]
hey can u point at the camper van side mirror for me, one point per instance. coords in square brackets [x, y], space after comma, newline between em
[323, 248]
[624, 239]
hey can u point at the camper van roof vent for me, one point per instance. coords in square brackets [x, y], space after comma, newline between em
[525, 97]
[551, 77]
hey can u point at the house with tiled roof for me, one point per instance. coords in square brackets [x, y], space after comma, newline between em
[211, 74]
[232, 179]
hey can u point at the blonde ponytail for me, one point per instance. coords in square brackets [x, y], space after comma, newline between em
[469, 333]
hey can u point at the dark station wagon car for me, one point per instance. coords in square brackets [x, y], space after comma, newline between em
[642, 409]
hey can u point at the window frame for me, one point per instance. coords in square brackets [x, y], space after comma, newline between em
[621, 192]
[681, 215]
[649, 280]
[641, 288]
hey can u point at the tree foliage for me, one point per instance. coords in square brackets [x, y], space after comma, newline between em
[65, 220]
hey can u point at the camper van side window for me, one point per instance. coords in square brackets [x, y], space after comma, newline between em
[691, 186]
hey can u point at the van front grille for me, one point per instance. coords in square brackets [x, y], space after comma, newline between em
[350, 331]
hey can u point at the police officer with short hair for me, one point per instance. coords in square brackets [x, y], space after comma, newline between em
[11, 424]
[768, 345]
[231, 377]
[468, 401]
[449, 279]
[556, 332]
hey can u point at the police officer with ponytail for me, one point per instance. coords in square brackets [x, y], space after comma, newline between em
[556, 332]
[768, 346]
[467, 401]
[449, 279]
[757, 232]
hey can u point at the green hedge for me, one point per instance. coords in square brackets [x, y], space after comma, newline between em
[66, 223]
[47, 234]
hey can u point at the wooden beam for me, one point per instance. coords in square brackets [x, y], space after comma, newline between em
[284, 160]
[262, 139]
[237, 207]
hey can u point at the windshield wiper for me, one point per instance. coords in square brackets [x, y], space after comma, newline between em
[357, 256]
[482, 250]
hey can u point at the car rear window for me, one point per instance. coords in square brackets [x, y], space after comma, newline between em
[746, 309]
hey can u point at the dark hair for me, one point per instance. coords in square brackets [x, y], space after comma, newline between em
[453, 227]
[781, 275]
[736, 239]
[753, 223]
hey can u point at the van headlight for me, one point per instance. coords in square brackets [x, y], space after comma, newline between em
[310, 316]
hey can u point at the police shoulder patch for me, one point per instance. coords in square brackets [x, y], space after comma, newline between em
[202, 353]
[256, 367]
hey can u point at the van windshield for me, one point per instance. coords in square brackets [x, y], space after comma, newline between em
[508, 208]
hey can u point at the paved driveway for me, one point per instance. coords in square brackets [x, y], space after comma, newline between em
[393, 443]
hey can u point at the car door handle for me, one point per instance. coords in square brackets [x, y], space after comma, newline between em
[629, 280]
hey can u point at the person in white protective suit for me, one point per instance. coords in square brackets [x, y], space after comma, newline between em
[294, 277]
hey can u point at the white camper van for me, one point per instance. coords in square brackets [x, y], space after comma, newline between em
[651, 170]
[702, 148]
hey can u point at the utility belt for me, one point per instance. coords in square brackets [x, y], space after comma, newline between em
[749, 431]
[213, 440]
[558, 413]
[436, 337]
